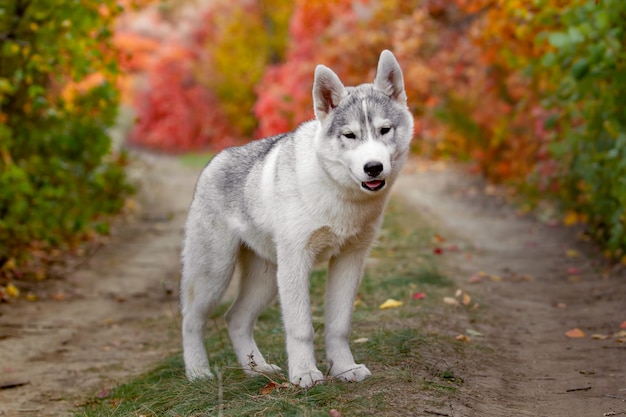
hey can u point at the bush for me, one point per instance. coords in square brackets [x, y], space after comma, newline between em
[57, 99]
[587, 66]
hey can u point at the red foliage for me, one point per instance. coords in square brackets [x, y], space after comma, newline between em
[284, 93]
[176, 113]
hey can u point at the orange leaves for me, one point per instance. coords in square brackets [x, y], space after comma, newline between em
[575, 333]
[273, 386]
[618, 335]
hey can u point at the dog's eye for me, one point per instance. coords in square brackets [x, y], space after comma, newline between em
[385, 130]
[349, 135]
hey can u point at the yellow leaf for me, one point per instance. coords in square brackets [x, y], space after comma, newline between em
[31, 297]
[571, 218]
[466, 299]
[463, 338]
[571, 253]
[9, 265]
[599, 336]
[390, 303]
[12, 291]
[575, 333]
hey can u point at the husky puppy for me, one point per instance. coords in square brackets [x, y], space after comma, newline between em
[277, 206]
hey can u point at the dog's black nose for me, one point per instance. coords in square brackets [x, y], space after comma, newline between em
[373, 168]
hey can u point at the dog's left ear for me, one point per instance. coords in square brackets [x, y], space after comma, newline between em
[389, 77]
[327, 91]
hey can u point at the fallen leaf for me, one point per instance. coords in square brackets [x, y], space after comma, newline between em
[31, 297]
[561, 305]
[572, 253]
[12, 291]
[466, 299]
[361, 340]
[451, 301]
[357, 303]
[571, 218]
[58, 296]
[475, 279]
[419, 295]
[621, 333]
[437, 251]
[463, 338]
[623, 325]
[495, 278]
[575, 333]
[573, 270]
[9, 265]
[458, 293]
[334, 413]
[599, 336]
[390, 303]
[269, 388]
[473, 332]
[438, 238]
[574, 278]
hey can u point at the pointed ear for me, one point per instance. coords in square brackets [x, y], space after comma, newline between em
[389, 77]
[327, 91]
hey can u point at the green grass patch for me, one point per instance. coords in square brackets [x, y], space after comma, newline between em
[195, 160]
[411, 350]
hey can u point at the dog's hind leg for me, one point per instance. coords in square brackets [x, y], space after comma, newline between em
[209, 258]
[257, 289]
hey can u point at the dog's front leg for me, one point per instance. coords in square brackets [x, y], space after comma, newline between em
[344, 276]
[294, 267]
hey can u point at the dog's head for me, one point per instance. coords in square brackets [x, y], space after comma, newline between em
[365, 131]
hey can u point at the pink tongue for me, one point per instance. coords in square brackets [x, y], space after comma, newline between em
[373, 184]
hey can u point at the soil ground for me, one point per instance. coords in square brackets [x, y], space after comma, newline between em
[115, 313]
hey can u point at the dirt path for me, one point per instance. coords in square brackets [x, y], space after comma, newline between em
[534, 369]
[112, 317]
[118, 314]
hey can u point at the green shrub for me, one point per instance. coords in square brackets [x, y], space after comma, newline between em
[588, 66]
[57, 99]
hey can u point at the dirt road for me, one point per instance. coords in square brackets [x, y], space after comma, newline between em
[116, 314]
[537, 283]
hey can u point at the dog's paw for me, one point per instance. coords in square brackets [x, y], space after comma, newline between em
[354, 373]
[306, 379]
[198, 373]
[263, 369]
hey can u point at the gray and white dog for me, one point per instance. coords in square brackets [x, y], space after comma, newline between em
[277, 206]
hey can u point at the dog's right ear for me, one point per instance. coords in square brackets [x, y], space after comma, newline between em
[327, 91]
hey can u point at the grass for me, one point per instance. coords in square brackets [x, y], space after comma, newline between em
[411, 350]
[195, 160]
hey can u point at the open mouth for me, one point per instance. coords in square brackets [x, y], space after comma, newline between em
[373, 185]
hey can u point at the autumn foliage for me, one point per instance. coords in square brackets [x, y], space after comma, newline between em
[58, 177]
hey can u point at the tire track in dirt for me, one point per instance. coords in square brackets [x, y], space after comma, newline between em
[529, 367]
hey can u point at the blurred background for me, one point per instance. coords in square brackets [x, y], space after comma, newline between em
[529, 93]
